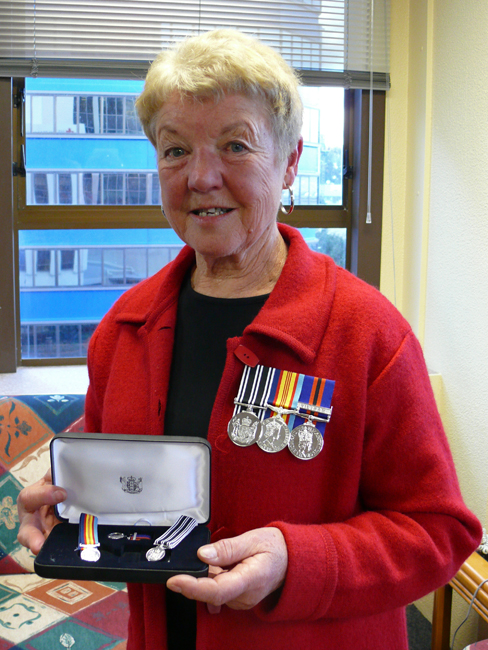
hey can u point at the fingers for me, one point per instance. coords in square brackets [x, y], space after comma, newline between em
[258, 559]
[212, 591]
[228, 552]
[33, 532]
[36, 512]
[36, 496]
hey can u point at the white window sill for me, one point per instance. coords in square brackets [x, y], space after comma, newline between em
[40, 380]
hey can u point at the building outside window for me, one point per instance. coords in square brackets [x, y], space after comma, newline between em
[86, 147]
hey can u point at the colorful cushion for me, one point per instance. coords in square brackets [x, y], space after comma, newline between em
[27, 424]
[37, 613]
[40, 614]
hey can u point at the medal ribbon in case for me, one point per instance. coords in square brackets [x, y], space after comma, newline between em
[171, 538]
[88, 538]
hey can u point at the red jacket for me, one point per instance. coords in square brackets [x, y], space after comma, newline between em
[374, 522]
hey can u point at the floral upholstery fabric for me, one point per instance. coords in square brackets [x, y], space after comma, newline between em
[37, 613]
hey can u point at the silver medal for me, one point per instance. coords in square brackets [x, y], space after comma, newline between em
[156, 553]
[306, 441]
[171, 538]
[244, 428]
[275, 435]
[90, 554]
[116, 535]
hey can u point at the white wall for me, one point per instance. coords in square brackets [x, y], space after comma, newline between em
[437, 174]
[456, 313]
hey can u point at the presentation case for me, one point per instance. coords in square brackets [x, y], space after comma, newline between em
[137, 486]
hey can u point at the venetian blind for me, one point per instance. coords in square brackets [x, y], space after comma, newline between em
[344, 42]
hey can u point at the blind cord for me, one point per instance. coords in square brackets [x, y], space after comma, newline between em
[467, 615]
[390, 188]
[370, 139]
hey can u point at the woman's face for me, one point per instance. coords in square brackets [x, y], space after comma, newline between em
[220, 174]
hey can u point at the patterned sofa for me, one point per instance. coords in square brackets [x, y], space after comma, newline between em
[36, 613]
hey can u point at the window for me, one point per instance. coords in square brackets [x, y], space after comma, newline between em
[90, 169]
[60, 113]
[67, 285]
[41, 192]
[67, 260]
[62, 301]
[43, 264]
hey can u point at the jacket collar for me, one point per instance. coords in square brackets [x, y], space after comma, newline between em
[298, 309]
[295, 314]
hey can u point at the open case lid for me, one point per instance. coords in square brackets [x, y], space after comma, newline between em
[123, 479]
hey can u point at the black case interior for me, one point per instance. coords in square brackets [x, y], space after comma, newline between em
[133, 484]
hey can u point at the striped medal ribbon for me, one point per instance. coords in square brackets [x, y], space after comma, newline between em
[281, 403]
[245, 427]
[313, 411]
[88, 538]
[292, 410]
[171, 538]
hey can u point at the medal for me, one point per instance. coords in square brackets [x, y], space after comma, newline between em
[133, 537]
[88, 538]
[295, 409]
[171, 538]
[306, 441]
[116, 535]
[90, 554]
[284, 390]
[244, 428]
[156, 553]
[275, 435]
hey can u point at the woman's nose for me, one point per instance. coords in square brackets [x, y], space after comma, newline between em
[204, 173]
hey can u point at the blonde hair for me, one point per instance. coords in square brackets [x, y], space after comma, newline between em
[221, 62]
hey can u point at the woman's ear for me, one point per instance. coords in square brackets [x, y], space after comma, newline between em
[292, 164]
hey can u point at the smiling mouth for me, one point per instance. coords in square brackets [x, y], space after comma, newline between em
[212, 212]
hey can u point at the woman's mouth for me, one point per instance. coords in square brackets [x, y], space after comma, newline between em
[211, 212]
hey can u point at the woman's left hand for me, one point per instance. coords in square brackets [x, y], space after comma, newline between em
[243, 570]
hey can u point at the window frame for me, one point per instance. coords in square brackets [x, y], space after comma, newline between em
[363, 240]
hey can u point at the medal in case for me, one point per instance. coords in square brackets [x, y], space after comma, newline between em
[90, 554]
[156, 553]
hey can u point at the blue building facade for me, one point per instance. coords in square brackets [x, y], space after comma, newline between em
[85, 146]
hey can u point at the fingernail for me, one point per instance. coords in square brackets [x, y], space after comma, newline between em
[59, 495]
[176, 589]
[208, 552]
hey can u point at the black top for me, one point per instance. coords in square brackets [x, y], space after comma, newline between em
[203, 326]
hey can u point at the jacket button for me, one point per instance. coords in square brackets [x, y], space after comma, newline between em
[246, 356]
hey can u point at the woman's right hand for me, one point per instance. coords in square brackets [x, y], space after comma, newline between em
[36, 512]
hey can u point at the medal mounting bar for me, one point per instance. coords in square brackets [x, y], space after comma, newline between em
[135, 488]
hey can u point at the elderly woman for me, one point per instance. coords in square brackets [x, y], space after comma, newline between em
[318, 554]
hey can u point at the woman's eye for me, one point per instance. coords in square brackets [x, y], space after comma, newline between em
[237, 147]
[174, 152]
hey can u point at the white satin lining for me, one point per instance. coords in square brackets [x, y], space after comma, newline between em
[175, 479]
